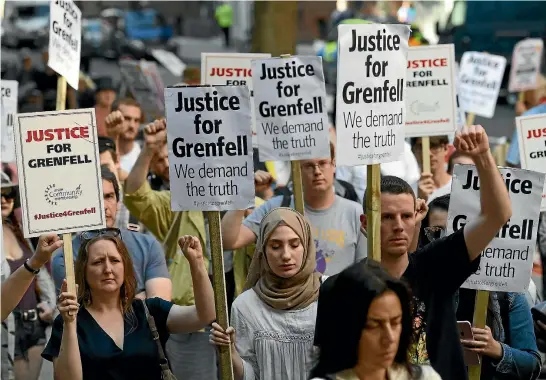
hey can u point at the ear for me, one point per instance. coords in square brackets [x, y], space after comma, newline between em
[363, 221]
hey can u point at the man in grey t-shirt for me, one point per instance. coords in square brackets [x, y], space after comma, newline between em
[335, 221]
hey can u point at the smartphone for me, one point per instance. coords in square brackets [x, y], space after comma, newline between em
[465, 332]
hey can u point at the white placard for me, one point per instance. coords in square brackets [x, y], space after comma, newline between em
[290, 108]
[59, 172]
[8, 110]
[65, 38]
[170, 61]
[431, 100]
[507, 261]
[461, 117]
[371, 83]
[526, 60]
[480, 80]
[210, 148]
[532, 145]
[231, 69]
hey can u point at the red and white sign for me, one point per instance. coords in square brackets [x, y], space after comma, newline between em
[526, 61]
[59, 172]
[232, 69]
[532, 145]
[431, 100]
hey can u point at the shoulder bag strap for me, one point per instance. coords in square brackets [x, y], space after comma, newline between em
[163, 361]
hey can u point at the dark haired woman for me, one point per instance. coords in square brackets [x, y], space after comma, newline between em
[368, 339]
[111, 339]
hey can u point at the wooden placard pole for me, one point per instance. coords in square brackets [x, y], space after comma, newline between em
[67, 238]
[425, 147]
[470, 119]
[373, 211]
[219, 285]
[480, 316]
[295, 167]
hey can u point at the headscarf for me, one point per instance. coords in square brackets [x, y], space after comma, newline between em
[298, 291]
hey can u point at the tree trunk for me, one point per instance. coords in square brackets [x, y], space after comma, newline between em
[275, 27]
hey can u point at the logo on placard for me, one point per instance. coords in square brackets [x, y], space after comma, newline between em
[54, 194]
[418, 107]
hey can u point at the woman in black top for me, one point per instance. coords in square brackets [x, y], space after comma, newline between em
[110, 339]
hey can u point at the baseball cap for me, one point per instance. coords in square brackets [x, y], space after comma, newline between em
[6, 180]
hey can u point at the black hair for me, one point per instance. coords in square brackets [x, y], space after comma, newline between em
[439, 203]
[346, 298]
[392, 185]
[107, 175]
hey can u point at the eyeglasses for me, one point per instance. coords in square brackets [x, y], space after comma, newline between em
[90, 235]
[435, 232]
[9, 193]
[322, 165]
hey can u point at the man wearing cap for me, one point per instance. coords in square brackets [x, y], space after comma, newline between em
[105, 96]
[153, 278]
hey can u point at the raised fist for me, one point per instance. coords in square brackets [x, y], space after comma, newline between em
[114, 124]
[155, 135]
[472, 140]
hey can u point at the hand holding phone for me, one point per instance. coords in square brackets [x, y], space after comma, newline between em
[465, 333]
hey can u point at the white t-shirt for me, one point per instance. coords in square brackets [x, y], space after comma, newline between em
[446, 189]
[128, 160]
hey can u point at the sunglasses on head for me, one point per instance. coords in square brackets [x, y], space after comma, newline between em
[434, 233]
[90, 235]
[9, 192]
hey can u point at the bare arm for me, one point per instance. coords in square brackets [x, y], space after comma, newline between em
[193, 318]
[496, 207]
[235, 234]
[159, 287]
[68, 365]
[15, 286]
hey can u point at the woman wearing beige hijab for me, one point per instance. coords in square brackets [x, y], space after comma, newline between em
[273, 320]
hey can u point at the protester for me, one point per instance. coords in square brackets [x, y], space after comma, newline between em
[433, 288]
[458, 158]
[146, 253]
[334, 220]
[224, 17]
[123, 125]
[191, 355]
[103, 332]
[105, 96]
[273, 321]
[438, 182]
[31, 298]
[507, 343]
[534, 103]
[377, 330]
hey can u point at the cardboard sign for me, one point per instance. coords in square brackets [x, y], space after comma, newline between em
[170, 61]
[231, 69]
[140, 85]
[210, 148]
[507, 261]
[431, 100]
[461, 116]
[65, 38]
[290, 108]
[480, 80]
[525, 69]
[59, 172]
[532, 145]
[8, 109]
[371, 83]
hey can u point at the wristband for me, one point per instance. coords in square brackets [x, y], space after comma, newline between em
[27, 267]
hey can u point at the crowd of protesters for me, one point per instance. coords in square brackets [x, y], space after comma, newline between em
[305, 301]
